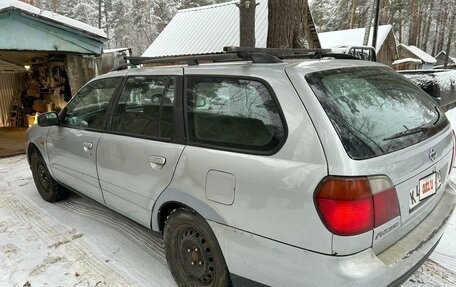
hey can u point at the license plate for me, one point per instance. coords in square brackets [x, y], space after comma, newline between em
[425, 188]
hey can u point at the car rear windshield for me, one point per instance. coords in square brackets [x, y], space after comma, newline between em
[375, 110]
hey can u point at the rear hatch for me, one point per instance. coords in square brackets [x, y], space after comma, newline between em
[386, 126]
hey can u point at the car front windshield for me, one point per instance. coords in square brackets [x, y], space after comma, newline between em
[375, 110]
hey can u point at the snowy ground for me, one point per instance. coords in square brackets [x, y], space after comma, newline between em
[78, 242]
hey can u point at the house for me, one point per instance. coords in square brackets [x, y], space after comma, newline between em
[441, 60]
[208, 29]
[44, 58]
[386, 41]
[408, 56]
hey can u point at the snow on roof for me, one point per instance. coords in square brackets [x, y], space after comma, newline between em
[425, 57]
[206, 29]
[107, 51]
[407, 60]
[353, 37]
[14, 4]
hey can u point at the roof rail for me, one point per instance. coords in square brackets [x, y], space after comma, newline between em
[292, 53]
[232, 54]
[279, 52]
[192, 60]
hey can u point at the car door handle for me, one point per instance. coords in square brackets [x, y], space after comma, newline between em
[88, 146]
[157, 162]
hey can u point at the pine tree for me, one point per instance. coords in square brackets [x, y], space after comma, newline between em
[121, 25]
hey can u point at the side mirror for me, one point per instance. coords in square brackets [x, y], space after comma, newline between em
[48, 119]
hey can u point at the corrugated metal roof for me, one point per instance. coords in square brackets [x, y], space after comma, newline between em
[206, 29]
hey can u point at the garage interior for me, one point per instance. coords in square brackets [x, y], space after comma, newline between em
[44, 59]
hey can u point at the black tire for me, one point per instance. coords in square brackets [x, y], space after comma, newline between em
[193, 254]
[49, 189]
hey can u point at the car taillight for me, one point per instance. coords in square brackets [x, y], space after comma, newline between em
[350, 206]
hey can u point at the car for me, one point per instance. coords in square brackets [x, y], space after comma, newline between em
[258, 167]
[440, 84]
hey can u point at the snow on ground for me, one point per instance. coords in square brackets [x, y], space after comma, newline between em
[73, 243]
[78, 242]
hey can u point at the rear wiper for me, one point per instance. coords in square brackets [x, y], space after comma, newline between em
[438, 116]
[407, 132]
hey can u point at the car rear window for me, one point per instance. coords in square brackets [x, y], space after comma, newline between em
[375, 110]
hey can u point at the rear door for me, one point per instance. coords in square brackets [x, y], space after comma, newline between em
[137, 158]
[72, 146]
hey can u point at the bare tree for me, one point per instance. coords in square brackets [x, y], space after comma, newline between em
[413, 29]
[450, 36]
[353, 13]
[291, 25]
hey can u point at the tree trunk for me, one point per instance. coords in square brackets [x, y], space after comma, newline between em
[247, 23]
[427, 29]
[443, 27]
[386, 11]
[450, 37]
[291, 25]
[353, 14]
[413, 31]
[419, 26]
[437, 25]
[370, 14]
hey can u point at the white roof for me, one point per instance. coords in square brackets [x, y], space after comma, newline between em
[407, 60]
[353, 37]
[206, 29]
[425, 57]
[14, 4]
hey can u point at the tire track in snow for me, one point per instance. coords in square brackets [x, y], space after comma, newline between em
[75, 250]
[138, 234]
[447, 261]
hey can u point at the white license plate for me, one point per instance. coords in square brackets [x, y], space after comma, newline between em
[425, 188]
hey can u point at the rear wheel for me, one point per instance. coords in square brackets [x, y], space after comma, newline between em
[193, 254]
[49, 189]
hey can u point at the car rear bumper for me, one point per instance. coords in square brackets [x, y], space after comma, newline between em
[270, 263]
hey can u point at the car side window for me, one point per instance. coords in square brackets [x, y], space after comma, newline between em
[88, 108]
[146, 107]
[233, 113]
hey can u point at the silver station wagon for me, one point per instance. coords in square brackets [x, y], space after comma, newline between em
[260, 169]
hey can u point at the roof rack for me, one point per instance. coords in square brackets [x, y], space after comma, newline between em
[232, 54]
[215, 57]
[280, 52]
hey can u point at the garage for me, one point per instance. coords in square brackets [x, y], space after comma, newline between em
[44, 59]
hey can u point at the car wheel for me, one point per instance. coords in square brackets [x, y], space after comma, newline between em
[49, 189]
[193, 254]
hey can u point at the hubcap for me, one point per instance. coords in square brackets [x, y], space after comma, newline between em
[196, 257]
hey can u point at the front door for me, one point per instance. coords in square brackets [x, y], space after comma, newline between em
[72, 146]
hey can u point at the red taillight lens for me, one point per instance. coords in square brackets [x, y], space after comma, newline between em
[386, 206]
[350, 206]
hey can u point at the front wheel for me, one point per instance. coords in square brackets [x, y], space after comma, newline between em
[193, 254]
[49, 189]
